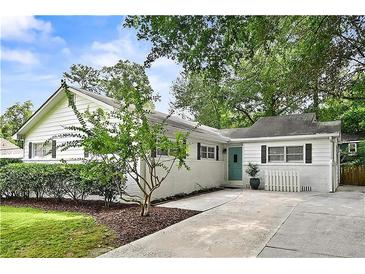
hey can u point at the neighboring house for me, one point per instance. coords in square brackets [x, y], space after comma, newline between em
[350, 143]
[216, 157]
[9, 150]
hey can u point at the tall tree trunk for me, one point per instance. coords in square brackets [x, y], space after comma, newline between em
[316, 101]
[146, 205]
[271, 111]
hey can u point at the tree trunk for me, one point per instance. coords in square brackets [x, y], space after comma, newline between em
[315, 101]
[146, 205]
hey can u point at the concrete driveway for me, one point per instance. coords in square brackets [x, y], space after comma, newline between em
[262, 224]
[204, 202]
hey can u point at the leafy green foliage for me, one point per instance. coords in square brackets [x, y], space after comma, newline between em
[353, 159]
[252, 170]
[259, 65]
[13, 118]
[360, 157]
[35, 233]
[6, 161]
[113, 81]
[351, 113]
[84, 76]
[121, 139]
[204, 100]
[54, 180]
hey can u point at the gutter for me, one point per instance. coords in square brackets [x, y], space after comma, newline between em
[334, 152]
[279, 138]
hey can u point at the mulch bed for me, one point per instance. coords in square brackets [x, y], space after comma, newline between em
[123, 219]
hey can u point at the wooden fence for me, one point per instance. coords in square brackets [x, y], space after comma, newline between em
[353, 175]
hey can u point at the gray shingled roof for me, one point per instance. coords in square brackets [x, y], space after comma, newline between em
[272, 126]
[102, 98]
[289, 125]
[172, 121]
[346, 137]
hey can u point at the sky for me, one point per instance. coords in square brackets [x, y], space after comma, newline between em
[36, 50]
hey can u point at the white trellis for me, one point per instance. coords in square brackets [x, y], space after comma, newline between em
[278, 180]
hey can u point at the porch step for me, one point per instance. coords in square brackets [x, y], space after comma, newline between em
[234, 186]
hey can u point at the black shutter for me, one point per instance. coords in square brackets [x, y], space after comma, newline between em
[54, 148]
[263, 154]
[308, 153]
[217, 153]
[185, 144]
[30, 150]
[153, 153]
[198, 151]
[86, 154]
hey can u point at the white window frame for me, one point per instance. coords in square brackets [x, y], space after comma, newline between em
[296, 161]
[44, 152]
[158, 150]
[285, 155]
[349, 148]
[276, 161]
[207, 152]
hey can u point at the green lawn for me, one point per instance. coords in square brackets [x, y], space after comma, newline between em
[29, 232]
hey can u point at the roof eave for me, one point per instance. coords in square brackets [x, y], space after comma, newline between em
[23, 129]
[292, 137]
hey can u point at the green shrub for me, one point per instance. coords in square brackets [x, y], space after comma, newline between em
[6, 161]
[252, 170]
[53, 180]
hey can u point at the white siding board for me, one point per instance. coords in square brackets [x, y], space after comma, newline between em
[315, 174]
[203, 173]
[53, 123]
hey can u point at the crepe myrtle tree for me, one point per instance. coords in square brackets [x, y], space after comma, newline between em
[120, 140]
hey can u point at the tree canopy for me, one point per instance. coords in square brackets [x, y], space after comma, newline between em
[258, 65]
[14, 117]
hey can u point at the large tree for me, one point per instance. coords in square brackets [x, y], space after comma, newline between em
[263, 65]
[14, 117]
[84, 76]
[120, 140]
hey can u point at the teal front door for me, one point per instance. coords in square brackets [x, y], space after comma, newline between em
[234, 163]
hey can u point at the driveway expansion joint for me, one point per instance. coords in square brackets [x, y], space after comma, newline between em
[314, 253]
[287, 217]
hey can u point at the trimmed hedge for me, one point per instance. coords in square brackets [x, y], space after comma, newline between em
[6, 161]
[52, 180]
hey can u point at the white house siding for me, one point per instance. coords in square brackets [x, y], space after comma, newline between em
[203, 173]
[315, 174]
[53, 123]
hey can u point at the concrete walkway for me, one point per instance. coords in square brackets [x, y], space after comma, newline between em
[204, 202]
[351, 188]
[264, 224]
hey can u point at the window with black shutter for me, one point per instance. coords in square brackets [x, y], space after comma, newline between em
[54, 148]
[30, 152]
[308, 153]
[263, 154]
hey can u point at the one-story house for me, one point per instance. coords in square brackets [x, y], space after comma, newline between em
[216, 157]
[10, 150]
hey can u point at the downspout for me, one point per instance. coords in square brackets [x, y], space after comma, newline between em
[331, 164]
